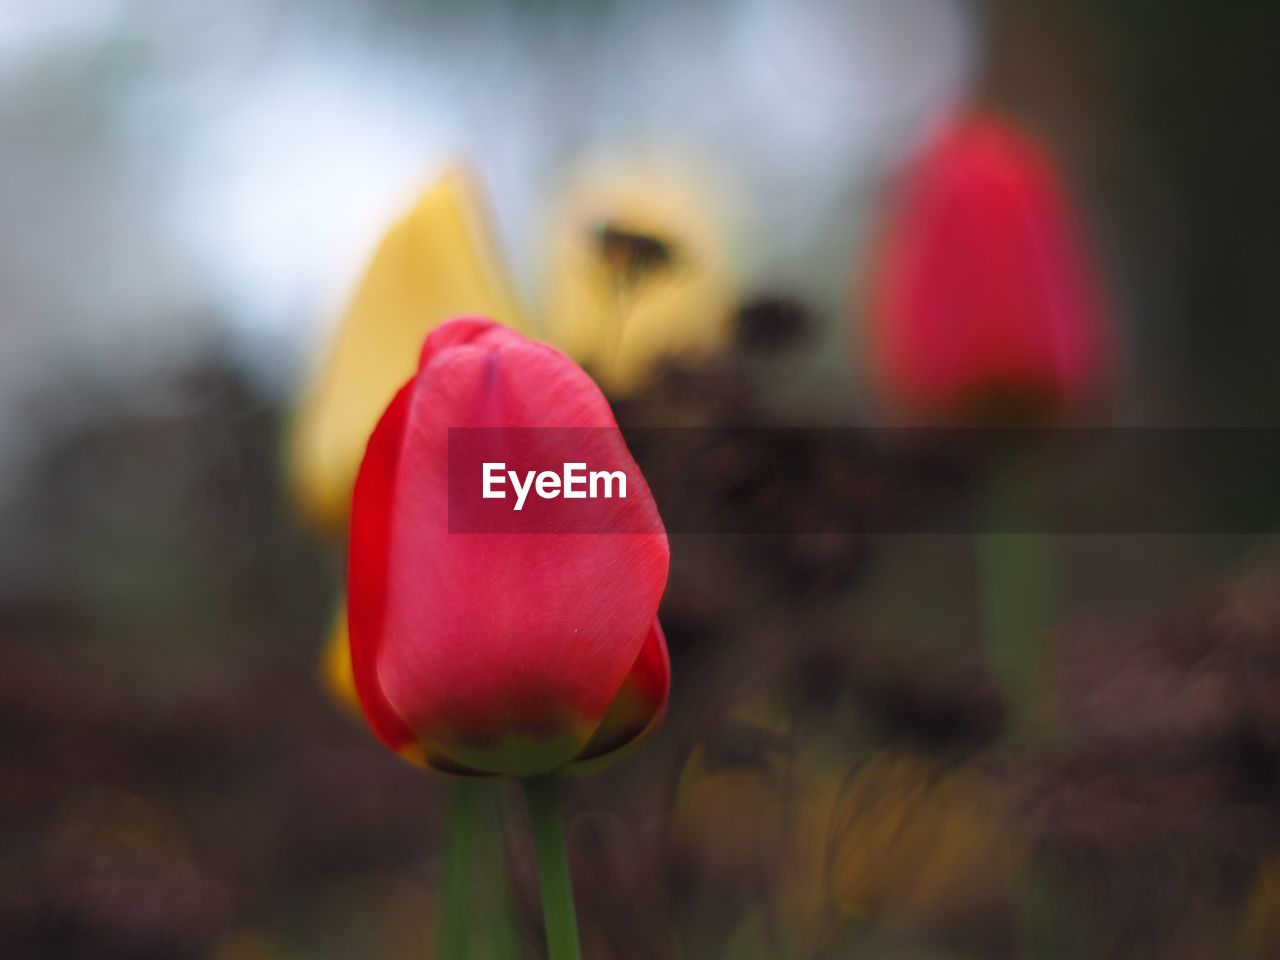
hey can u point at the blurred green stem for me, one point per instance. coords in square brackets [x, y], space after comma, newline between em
[1018, 609]
[1017, 574]
[500, 939]
[543, 797]
[460, 835]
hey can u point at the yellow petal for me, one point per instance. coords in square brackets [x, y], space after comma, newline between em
[805, 912]
[335, 664]
[438, 263]
[1260, 929]
[639, 271]
[727, 827]
[919, 847]
[246, 943]
[338, 680]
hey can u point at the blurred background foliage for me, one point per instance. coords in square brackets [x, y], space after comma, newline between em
[190, 194]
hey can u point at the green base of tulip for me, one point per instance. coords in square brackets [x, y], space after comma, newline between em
[543, 797]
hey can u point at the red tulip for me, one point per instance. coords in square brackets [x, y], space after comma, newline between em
[515, 651]
[983, 299]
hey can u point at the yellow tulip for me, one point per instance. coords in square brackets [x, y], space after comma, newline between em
[919, 847]
[438, 263]
[727, 825]
[335, 664]
[727, 832]
[244, 943]
[1260, 926]
[805, 913]
[338, 679]
[639, 272]
[755, 835]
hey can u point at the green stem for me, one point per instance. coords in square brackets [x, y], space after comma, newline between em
[1018, 607]
[542, 796]
[455, 899]
[1017, 598]
[500, 940]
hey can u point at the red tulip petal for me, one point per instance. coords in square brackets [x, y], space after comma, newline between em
[370, 538]
[641, 701]
[984, 287]
[464, 330]
[503, 651]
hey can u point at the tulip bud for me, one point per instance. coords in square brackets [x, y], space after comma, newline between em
[512, 652]
[437, 263]
[639, 273]
[983, 302]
